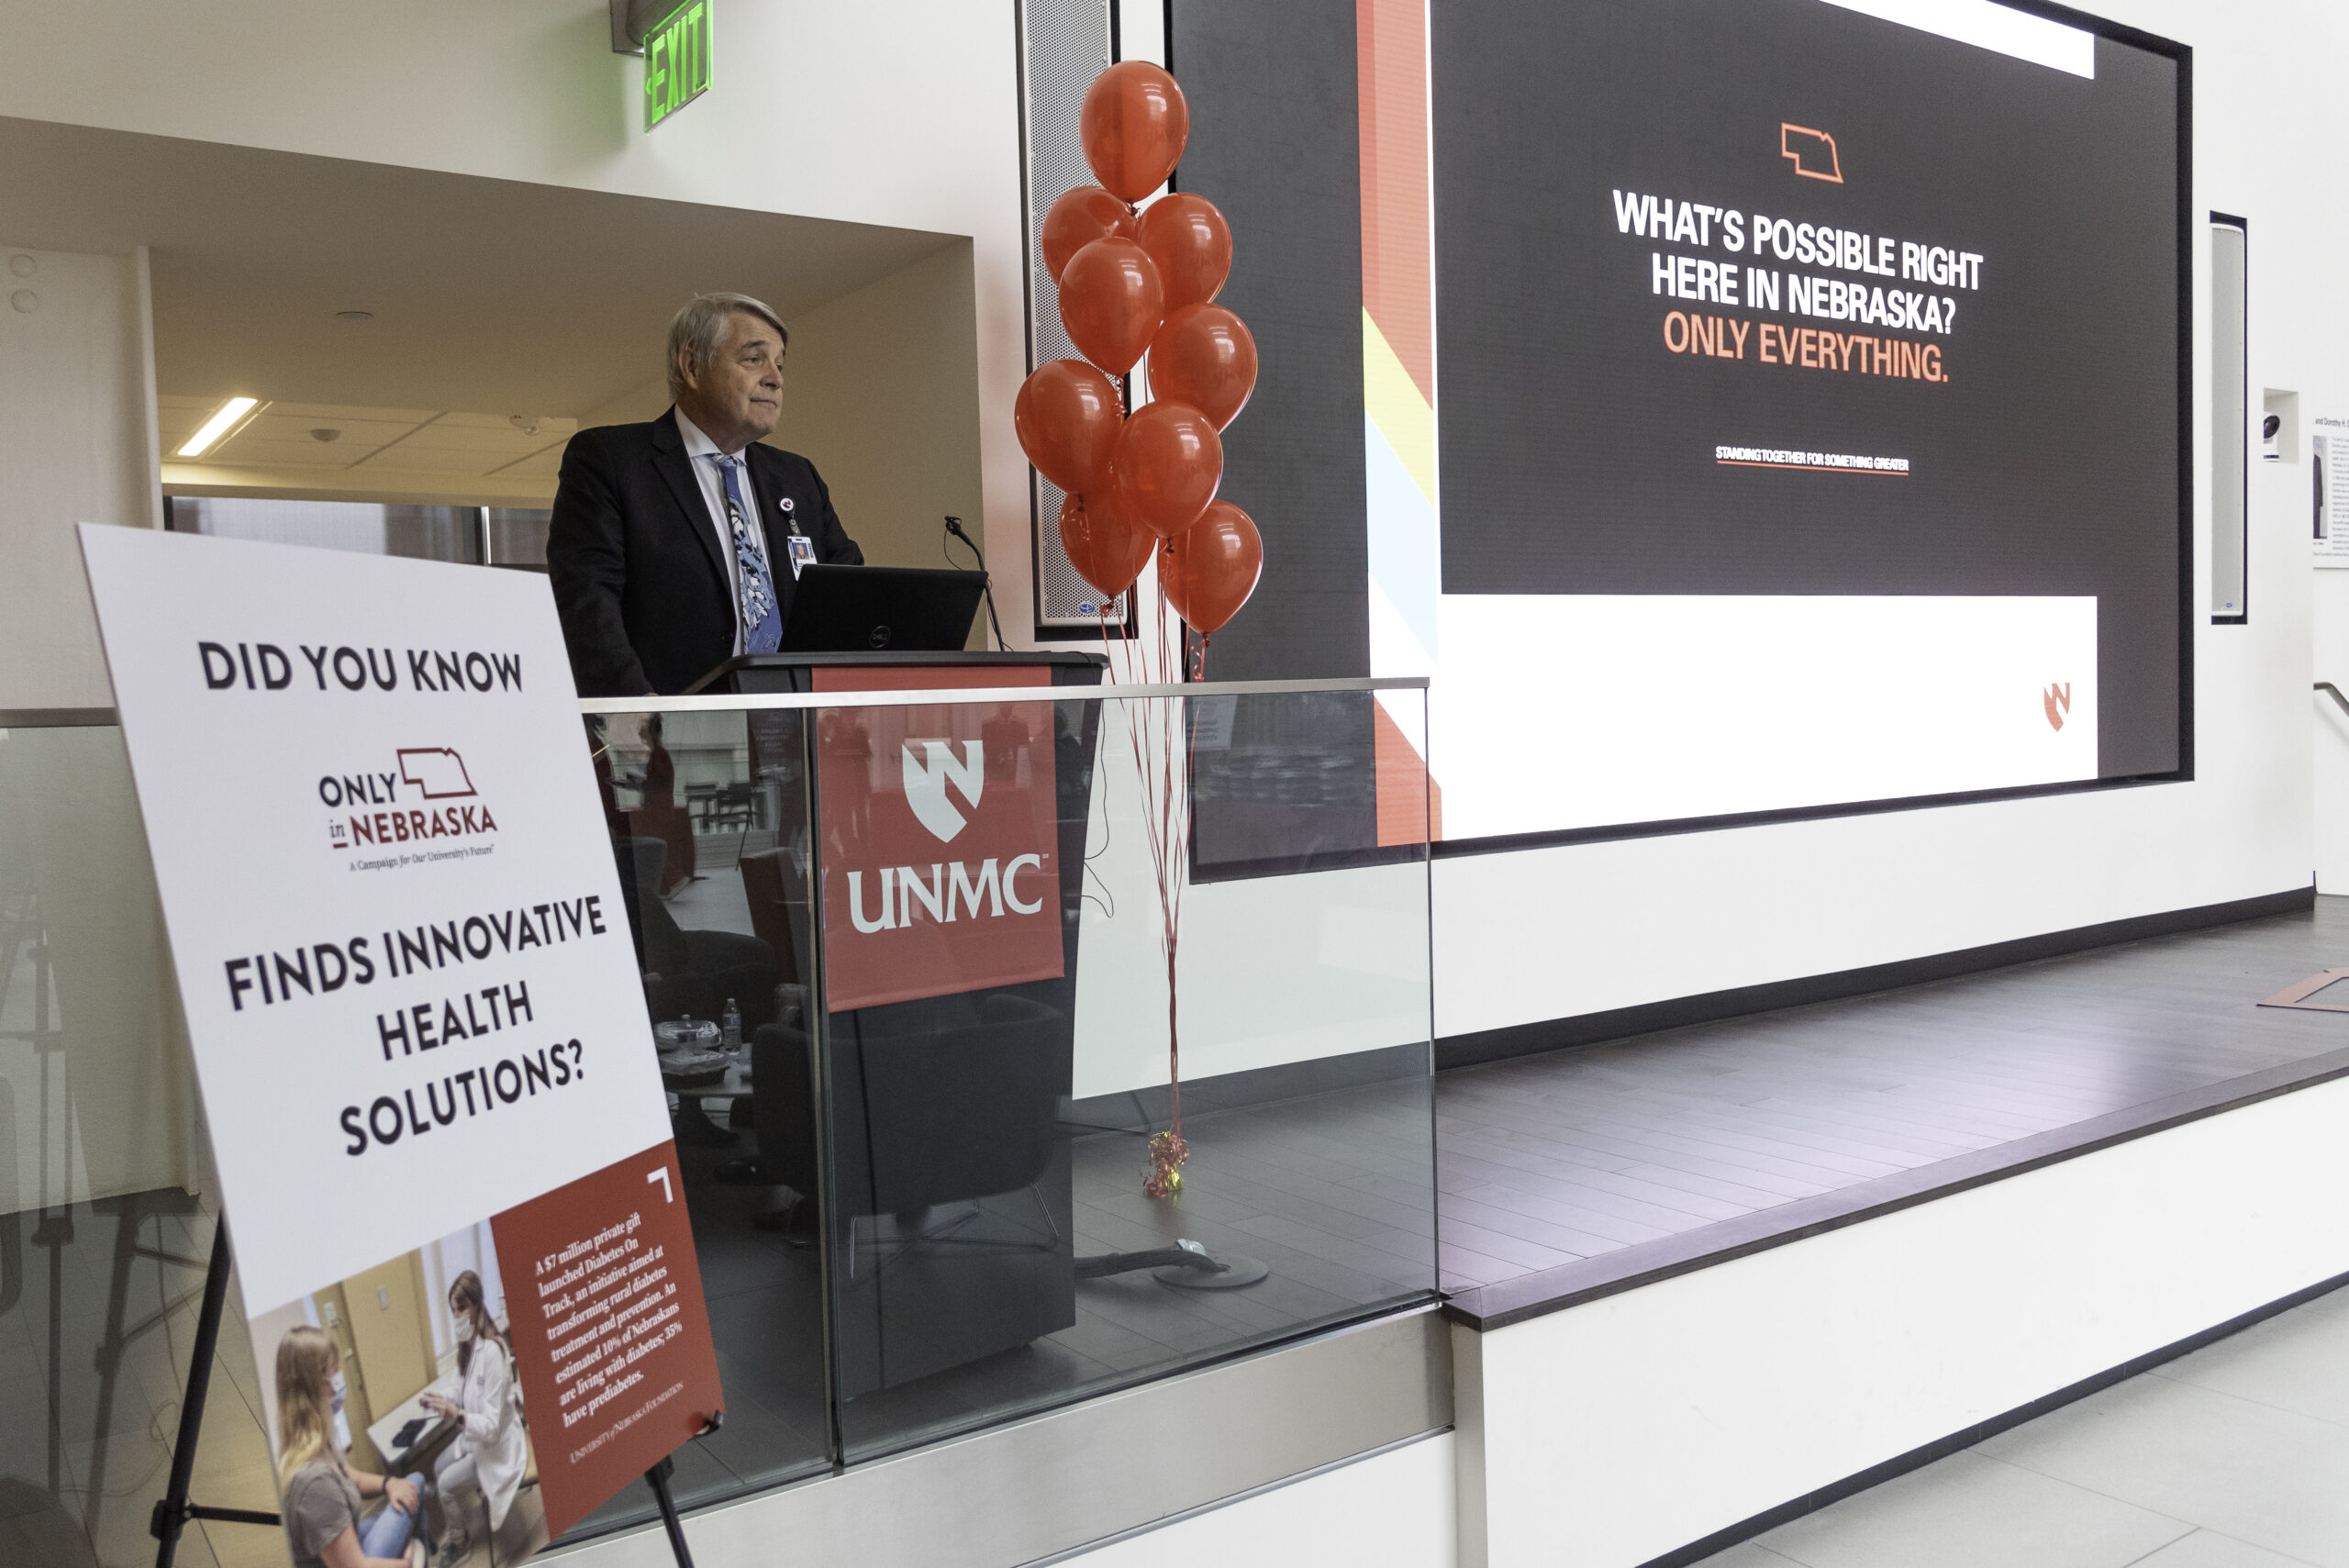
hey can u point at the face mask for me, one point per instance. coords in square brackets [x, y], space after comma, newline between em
[342, 1421]
[464, 1328]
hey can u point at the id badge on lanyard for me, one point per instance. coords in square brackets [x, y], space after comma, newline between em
[798, 548]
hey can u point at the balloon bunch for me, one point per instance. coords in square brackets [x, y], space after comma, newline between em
[1135, 281]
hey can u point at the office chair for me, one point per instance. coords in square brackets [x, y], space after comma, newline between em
[779, 918]
[698, 970]
[946, 1103]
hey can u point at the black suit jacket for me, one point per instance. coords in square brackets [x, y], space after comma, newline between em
[638, 577]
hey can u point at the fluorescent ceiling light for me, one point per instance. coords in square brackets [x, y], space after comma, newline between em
[1988, 25]
[218, 425]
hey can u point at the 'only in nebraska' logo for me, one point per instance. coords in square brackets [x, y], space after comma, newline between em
[438, 772]
[374, 808]
[2058, 700]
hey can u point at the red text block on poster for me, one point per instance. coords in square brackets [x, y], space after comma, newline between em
[609, 1330]
[940, 843]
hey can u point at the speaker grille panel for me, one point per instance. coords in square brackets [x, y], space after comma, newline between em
[1065, 44]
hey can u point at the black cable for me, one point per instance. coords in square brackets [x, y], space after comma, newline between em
[986, 585]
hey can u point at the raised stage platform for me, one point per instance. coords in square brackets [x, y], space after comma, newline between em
[1705, 1280]
[1575, 1173]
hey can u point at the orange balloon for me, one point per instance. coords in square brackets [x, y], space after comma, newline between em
[1077, 219]
[1192, 245]
[1068, 415]
[1204, 356]
[1107, 550]
[1111, 302]
[1134, 123]
[1169, 462]
[1208, 571]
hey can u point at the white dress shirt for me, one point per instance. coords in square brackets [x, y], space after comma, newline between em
[703, 453]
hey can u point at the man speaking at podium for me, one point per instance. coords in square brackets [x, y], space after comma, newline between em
[675, 545]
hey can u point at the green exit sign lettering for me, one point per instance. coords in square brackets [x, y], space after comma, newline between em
[676, 60]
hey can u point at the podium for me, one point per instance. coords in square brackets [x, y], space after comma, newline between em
[937, 1116]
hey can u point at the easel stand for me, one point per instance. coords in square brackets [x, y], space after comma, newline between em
[658, 1479]
[172, 1509]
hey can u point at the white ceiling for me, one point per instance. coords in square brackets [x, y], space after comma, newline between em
[326, 445]
[487, 298]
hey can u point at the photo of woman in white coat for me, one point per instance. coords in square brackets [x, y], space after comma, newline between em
[491, 1452]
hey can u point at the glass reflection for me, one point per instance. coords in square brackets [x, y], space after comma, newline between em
[990, 1249]
[708, 822]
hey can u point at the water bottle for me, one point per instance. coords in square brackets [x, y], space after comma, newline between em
[731, 1026]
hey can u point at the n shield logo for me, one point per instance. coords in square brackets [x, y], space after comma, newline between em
[927, 776]
[2058, 700]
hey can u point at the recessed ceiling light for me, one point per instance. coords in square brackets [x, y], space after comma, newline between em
[218, 425]
[526, 423]
[325, 435]
[354, 316]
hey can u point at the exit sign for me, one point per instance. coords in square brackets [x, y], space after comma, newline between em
[676, 60]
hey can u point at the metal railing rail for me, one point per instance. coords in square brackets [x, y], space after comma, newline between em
[736, 702]
[71, 717]
[55, 717]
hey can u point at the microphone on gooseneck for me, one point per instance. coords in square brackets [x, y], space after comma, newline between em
[954, 528]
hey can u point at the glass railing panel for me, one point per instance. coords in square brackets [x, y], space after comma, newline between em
[709, 817]
[997, 1045]
[915, 1172]
[103, 1235]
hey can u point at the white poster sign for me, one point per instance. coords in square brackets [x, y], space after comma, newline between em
[2329, 489]
[399, 928]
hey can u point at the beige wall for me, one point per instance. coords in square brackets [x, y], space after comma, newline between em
[391, 1330]
[882, 396]
[76, 445]
[881, 393]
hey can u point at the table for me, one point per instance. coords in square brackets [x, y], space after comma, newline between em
[419, 1454]
[693, 1121]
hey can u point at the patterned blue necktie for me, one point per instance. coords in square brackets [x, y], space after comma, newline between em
[762, 622]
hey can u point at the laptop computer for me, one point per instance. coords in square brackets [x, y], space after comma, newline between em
[854, 609]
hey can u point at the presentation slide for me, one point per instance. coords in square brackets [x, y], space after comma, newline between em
[1808, 407]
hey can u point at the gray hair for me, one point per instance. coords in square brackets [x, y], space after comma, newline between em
[700, 326]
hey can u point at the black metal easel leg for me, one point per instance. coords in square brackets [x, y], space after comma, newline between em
[658, 1479]
[173, 1510]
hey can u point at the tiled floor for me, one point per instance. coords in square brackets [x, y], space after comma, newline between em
[2232, 1457]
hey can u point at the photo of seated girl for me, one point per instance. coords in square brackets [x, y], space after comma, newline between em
[321, 1497]
[398, 1412]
